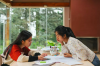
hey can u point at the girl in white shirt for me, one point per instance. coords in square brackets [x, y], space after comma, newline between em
[72, 47]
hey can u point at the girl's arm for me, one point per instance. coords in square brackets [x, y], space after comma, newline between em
[64, 49]
[31, 52]
[34, 53]
[19, 56]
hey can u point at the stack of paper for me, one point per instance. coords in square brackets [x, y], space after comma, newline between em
[69, 61]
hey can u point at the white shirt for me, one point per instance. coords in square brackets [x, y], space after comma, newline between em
[78, 50]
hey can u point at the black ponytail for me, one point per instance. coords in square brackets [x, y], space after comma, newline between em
[70, 32]
[65, 30]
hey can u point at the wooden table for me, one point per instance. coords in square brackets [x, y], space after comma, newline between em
[85, 63]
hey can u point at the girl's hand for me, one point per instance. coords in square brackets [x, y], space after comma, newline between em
[43, 54]
[67, 55]
[41, 58]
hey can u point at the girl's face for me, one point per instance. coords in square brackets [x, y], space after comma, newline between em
[59, 38]
[27, 42]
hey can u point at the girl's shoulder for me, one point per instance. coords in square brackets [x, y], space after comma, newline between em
[72, 39]
[75, 40]
[15, 46]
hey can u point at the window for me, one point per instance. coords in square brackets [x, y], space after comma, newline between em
[41, 22]
[3, 13]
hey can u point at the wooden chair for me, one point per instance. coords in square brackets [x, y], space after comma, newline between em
[0, 60]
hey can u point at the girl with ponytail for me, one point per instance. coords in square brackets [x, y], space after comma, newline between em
[19, 51]
[72, 47]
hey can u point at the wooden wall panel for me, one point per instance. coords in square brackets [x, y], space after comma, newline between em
[85, 18]
[40, 0]
[41, 4]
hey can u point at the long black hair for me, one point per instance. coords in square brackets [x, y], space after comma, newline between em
[24, 35]
[65, 30]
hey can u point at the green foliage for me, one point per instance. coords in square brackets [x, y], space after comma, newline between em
[36, 43]
[1, 49]
[1, 33]
[50, 43]
[21, 18]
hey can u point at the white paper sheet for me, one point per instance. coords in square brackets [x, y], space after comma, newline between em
[69, 61]
[47, 62]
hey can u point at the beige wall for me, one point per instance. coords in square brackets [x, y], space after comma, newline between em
[66, 16]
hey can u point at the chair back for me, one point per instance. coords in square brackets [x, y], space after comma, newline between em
[0, 60]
